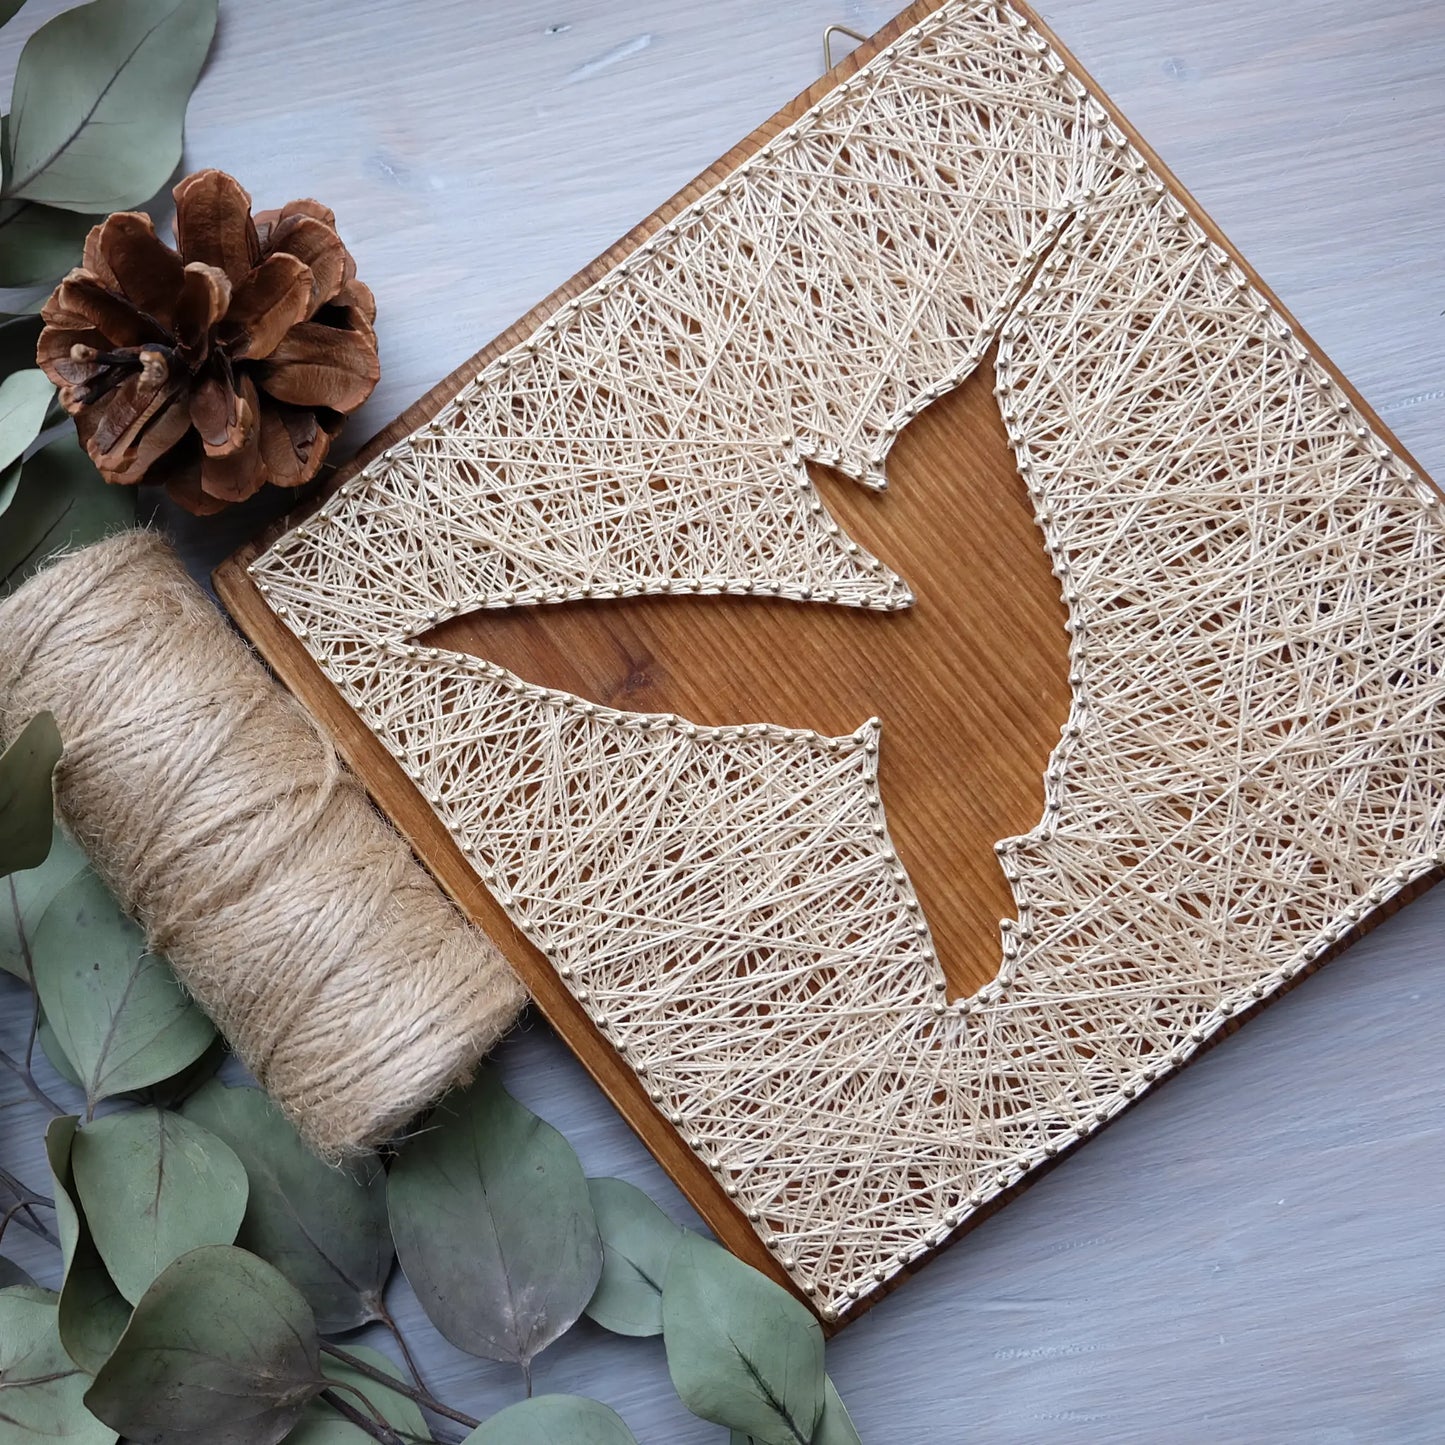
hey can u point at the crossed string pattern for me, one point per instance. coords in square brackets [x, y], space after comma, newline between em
[1255, 756]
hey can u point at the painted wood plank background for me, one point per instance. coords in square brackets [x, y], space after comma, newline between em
[1251, 1254]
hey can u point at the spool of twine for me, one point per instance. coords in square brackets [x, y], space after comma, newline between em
[221, 819]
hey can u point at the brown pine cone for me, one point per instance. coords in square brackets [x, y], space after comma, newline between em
[219, 365]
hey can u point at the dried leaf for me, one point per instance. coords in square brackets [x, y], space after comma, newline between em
[38, 243]
[637, 1244]
[25, 397]
[155, 1186]
[834, 1428]
[99, 100]
[741, 1350]
[554, 1420]
[41, 1390]
[493, 1225]
[92, 1313]
[221, 1347]
[117, 1011]
[18, 335]
[12, 1274]
[62, 502]
[175, 1089]
[26, 803]
[324, 1228]
[321, 1425]
[25, 896]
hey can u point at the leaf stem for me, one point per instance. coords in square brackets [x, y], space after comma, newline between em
[28, 1198]
[384, 1317]
[9, 1215]
[24, 1071]
[31, 1087]
[16, 1211]
[422, 1398]
[24, 1215]
[28, 960]
[363, 1422]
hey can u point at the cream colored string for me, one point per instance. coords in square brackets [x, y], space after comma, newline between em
[1254, 759]
[222, 820]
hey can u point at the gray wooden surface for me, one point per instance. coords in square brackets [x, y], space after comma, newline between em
[1253, 1253]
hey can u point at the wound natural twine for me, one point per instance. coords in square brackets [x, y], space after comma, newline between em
[223, 821]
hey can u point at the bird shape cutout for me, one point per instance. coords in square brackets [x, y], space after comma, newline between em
[1251, 755]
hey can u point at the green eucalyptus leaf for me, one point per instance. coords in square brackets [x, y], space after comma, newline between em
[61, 503]
[12, 1274]
[172, 1091]
[321, 1425]
[100, 100]
[493, 1225]
[637, 1244]
[39, 244]
[834, 1428]
[25, 396]
[554, 1420]
[221, 1350]
[27, 808]
[118, 1013]
[18, 336]
[741, 1350]
[59, 1137]
[9, 484]
[155, 1186]
[325, 1228]
[24, 897]
[92, 1313]
[41, 1390]
[50, 1047]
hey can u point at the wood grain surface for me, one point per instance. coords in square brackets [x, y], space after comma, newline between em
[1251, 1254]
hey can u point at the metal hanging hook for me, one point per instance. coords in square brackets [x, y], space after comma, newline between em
[828, 35]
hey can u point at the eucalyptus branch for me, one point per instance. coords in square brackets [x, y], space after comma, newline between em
[9, 1215]
[29, 962]
[28, 1198]
[420, 1396]
[384, 1317]
[365, 1423]
[18, 1211]
[27, 1079]
[392, 1432]
[23, 1070]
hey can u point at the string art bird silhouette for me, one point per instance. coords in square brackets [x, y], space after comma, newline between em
[1252, 759]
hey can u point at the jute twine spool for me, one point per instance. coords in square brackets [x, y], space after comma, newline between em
[210, 805]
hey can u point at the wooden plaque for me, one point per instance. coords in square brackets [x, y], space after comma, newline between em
[1251, 565]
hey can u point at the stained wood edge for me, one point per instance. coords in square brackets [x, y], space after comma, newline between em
[397, 797]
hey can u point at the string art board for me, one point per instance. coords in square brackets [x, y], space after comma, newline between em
[742, 758]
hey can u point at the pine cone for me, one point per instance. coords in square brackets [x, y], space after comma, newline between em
[222, 364]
